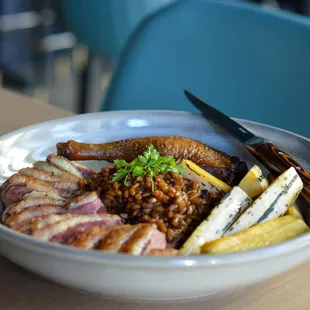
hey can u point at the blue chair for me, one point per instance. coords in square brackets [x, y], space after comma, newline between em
[248, 61]
[104, 27]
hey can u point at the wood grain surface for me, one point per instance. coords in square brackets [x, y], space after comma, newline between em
[17, 111]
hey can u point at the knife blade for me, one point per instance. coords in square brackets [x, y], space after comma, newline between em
[275, 160]
[236, 130]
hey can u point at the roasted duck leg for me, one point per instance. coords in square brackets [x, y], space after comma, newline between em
[227, 168]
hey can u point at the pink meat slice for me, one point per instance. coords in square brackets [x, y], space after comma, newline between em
[64, 164]
[23, 217]
[20, 185]
[119, 236]
[31, 202]
[50, 168]
[46, 220]
[50, 179]
[41, 175]
[89, 203]
[70, 234]
[89, 238]
[142, 240]
[157, 241]
[39, 222]
[52, 218]
[13, 193]
[4, 185]
[85, 171]
[131, 239]
[93, 207]
[36, 194]
[70, 226]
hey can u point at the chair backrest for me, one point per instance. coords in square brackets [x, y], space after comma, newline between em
[105, 25]
[245, 60]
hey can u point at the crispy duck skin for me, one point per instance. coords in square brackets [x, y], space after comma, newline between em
[131, 239]
[163, 252]
[89, 238]
[22, 214]
[223, 166]
[84, 170]
[38, 222]
[60, 228]
[42, 175]
[57, 177]
[88, 203]
[51, 169]
[14, 209]
[64, 164]
[36, 194]
[18, 185]
[50, 179]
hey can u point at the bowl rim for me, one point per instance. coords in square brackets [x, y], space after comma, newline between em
[96, 257]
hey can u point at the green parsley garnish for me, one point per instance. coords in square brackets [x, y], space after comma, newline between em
[150, 164]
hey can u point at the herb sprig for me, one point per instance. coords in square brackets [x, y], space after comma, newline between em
[150, 164]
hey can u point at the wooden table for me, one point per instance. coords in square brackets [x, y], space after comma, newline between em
[21, 290]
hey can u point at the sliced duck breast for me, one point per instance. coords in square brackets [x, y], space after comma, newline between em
[15, 208]
[84, 170]
[22, 217]
[50, 168]
[19, 185]
[89, 203]
[65, 229]
[64, 164]
[130, 239]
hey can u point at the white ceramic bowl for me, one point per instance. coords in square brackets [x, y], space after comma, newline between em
[153, 278]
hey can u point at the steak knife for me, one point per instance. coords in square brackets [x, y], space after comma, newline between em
[274, 159]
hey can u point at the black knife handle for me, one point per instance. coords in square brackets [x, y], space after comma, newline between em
[278, 161]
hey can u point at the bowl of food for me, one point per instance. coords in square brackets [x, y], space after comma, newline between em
[155, 205]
